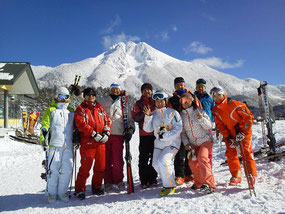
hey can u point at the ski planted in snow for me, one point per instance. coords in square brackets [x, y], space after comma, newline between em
[267, 117]
[128, 157]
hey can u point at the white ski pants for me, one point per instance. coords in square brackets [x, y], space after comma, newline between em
[60, 162]
[163, 163]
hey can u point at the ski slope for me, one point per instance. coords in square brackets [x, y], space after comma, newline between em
[22, 189]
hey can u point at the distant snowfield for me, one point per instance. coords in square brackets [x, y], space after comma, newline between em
[22, 189]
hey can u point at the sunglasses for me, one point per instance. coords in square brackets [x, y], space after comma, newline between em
[158, 97]
[185, 100]
[63, 96]
[91, 94]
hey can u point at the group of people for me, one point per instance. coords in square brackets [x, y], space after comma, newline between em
[175, 135]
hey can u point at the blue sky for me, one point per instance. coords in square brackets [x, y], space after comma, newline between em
[245, 38]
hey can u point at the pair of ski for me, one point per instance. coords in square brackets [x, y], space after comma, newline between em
[128, 156]
[28, 140]
[263, 151]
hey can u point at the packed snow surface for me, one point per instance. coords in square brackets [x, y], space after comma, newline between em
[22, 189]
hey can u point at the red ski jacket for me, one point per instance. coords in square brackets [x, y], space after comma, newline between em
[89, 117]
[229, 115]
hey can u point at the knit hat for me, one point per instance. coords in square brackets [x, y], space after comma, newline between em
[146, 85]
[62, 90]
[201, 82]
[178, 80]
[89, 91]
[115, 85]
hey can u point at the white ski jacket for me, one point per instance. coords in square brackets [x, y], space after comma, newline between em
[195, 131]
[164, 117]
[61, 126]
[114, 112]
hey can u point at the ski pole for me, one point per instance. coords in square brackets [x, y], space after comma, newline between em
[73, 168]
[249, 181]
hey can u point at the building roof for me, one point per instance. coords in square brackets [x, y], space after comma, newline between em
[17, 78]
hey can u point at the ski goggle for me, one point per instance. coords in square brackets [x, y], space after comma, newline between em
[185, 100]
[63, 96]
[216, 90]
[158, 96]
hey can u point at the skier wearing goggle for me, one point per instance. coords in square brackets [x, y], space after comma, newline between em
[158, 96]
[234, 120]
[167, 126]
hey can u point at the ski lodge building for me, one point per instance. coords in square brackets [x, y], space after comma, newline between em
[17, 81]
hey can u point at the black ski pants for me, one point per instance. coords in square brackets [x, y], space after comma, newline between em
[147, 173]
[181, 166]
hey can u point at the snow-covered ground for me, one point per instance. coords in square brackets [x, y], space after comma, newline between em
[22, 189]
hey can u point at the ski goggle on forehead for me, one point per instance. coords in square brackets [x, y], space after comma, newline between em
[63, 96]
[158, 96]
[185, 100]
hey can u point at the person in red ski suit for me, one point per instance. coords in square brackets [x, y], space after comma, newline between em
[234, 120]
[94, 127]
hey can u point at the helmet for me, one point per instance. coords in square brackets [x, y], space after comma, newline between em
[216, 90]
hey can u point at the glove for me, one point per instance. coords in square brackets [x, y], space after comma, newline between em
[105, 137]
[240, 136]
[45, 144]
[44, 132]
[127, 135]
[97, 136]
[233, 143]
[75, 90]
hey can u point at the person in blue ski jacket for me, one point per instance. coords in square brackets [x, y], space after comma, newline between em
[205, 99]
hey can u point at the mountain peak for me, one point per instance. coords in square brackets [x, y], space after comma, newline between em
[132, 64]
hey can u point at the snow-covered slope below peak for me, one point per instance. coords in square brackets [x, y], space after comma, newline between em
[132, 64]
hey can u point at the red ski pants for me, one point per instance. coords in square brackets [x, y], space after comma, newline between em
[233, 160]
[87, 158]
[114, 160]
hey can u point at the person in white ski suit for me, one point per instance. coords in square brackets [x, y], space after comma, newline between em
[166, 124]
[57, 129]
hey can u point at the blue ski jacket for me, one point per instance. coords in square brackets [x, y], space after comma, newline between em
[207, 103]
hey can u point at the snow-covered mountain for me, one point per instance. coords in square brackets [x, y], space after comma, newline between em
[133, 64]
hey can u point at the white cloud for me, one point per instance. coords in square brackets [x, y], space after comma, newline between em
[197, 47]
[174, 28]
[211, 18]
[108, 41]
[219, 63]
[114, 23]
[164, 36]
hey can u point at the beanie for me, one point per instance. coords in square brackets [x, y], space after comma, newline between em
[115, 85]
[146, 85]
[201, 82]
[89, 91]
[178, 80]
